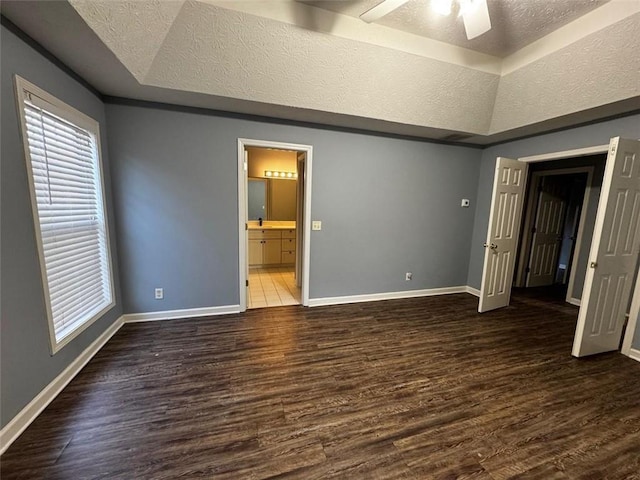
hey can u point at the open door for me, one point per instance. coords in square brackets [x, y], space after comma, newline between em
[614, 253]
[547, 236]
[502, 236]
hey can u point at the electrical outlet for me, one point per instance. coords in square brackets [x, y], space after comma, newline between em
[159, 293]
[408, 276]
[316, 225]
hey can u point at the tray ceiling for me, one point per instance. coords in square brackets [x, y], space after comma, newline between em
[294, 61]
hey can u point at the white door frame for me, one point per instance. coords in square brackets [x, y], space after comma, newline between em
[524, 254]
[563, 155]
[242, 214]
[301, 163]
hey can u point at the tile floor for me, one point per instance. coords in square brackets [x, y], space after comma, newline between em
[272, 287]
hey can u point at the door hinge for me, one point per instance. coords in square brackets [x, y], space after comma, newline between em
[247, 283]
[246, 226]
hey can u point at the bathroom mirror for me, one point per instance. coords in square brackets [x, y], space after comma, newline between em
[271, 199]
[257, 198]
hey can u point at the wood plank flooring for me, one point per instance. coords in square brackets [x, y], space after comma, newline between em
[406, 389]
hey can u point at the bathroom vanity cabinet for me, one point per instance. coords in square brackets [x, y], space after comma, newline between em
[272, 247]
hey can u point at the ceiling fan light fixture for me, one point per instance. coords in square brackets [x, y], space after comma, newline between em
[465, 6]
[442, 7]
[475, 15]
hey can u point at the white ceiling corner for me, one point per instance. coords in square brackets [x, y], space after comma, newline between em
[133, 30]
[595, 20]
[601, 69]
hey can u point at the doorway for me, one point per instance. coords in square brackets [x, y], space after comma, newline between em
[552, 236]
[274, 197]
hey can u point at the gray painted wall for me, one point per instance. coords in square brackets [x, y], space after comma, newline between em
[388, 206]
[27, 365]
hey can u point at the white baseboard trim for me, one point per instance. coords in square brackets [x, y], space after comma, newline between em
[473, 291]
[184, 313]
[574, 301]
[374, 297]
[635, 354]
[28, 414]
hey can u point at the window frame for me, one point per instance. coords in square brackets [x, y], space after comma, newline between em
[92, 127]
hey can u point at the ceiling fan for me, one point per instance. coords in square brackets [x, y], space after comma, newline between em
[475, 13]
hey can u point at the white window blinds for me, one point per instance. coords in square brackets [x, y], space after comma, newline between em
[67, 190]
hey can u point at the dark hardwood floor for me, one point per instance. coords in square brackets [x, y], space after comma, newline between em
[415, 389]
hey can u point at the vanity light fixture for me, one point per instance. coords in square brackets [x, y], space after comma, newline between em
[274, 174]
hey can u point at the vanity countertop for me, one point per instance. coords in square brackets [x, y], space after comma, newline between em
[272, 225]
[269, 227]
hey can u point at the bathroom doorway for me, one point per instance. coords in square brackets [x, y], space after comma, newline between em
[274, 198]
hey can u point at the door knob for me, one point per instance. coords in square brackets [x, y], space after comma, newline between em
[493, 246]
[593, 264]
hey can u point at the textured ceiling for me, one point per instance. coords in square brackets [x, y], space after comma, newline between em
[223, 52]
[146, 24]
[244, 57]
[515, 23]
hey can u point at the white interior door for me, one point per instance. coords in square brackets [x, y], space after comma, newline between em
[502, 235]
[614, 253]
[547, 236]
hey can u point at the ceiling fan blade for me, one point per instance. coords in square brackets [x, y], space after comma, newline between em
[476, 18]
[381, 9]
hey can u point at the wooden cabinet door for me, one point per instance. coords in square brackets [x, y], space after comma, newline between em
[288, 257]
[272, 250]
[288, 244]
[255, 252]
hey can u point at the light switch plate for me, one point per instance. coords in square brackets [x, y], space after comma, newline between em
[465, 202]
[316, 225]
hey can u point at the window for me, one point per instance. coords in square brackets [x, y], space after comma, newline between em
[62, 151]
